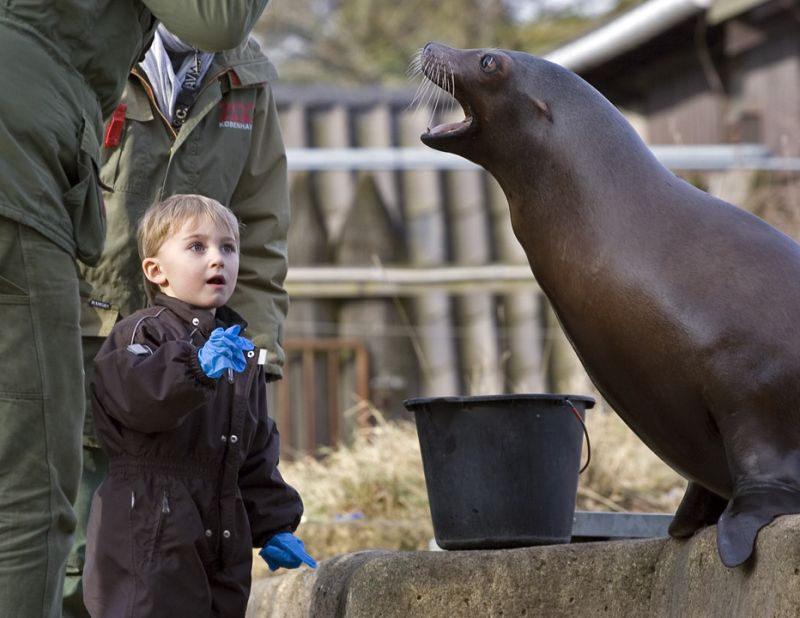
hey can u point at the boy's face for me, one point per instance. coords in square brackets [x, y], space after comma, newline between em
[198, 264]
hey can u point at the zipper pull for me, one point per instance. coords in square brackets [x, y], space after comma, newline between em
[164, 502]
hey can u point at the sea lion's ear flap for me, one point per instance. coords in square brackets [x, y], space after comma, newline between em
[543, 107]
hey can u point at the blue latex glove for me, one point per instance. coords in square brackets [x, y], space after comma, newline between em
[287, 551]
[223, 350]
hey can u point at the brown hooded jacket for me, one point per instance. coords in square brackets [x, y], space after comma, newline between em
[193, 482]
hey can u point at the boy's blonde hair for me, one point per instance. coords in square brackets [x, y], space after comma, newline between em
[165, 218]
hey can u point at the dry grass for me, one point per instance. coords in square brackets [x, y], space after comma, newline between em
[367, 495]
[378, 476]
[624, 474]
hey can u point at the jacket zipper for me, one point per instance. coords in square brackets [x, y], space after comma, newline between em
[154, 104]
[150, 95]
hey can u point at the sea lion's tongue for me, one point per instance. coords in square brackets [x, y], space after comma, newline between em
[450, 127]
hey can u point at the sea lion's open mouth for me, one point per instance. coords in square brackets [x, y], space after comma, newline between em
[452, 129]
[440, 72]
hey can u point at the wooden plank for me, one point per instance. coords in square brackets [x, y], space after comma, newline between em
[469, 225]
[427, 248]
[334, 190]
[524, 368]
[370, 235]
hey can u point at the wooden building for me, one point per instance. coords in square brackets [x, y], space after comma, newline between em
[727, 73]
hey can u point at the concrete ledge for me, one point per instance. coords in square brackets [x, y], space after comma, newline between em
[655, 577]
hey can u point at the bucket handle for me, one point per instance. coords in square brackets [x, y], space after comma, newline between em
[585, 433]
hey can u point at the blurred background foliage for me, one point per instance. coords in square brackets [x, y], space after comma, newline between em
[373, 41]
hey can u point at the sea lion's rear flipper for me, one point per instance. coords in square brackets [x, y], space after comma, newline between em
[698, 508]
[753, 506]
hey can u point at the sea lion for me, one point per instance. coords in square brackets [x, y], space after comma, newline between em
[682, 308]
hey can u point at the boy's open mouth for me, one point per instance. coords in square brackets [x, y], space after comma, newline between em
[216, 280]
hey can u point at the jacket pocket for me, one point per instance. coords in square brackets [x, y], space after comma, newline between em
[163, 511]
[14, 292]
[20, 373]
[84, 201]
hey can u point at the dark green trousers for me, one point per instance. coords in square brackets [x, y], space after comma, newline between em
[95, 465]
[41, 419]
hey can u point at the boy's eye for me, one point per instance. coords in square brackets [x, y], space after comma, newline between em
[228, 248]
[197, 247]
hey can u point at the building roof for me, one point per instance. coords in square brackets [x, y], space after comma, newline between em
[639, 25]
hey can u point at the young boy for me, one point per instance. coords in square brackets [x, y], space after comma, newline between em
[180, 409]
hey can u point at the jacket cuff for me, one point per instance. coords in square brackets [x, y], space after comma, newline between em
[276, 357]
[273, 372]
[196, 371]
[263, 538]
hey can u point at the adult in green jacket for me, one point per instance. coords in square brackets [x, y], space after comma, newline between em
[228, 146]
[64, 65]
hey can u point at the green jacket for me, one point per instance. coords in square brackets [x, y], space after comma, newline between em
[64, 65]
[230, 148]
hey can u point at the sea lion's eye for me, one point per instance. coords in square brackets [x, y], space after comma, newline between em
[488, 63]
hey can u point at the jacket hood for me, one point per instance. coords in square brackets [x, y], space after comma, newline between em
[248, 62]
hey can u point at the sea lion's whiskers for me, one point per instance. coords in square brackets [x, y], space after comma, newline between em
[423, 94]
[415, 66]
[439, 81]
[422, 88]
[433, 95]
[452, 83]
[430, 85]
[425, 85]
[437, 77]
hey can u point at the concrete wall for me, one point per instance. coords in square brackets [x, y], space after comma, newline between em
[656, 577]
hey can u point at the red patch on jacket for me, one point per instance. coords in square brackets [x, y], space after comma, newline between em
[236, 115]
[115, 126]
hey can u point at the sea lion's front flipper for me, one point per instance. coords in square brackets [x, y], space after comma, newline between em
[753, 506]
[698, 508]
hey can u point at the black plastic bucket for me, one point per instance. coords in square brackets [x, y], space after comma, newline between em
[501, 470]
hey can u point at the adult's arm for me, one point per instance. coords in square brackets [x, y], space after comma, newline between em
[272, 504]
[261, 202]
[210, 25]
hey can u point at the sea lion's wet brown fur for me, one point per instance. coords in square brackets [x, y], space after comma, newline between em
[683, 308]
